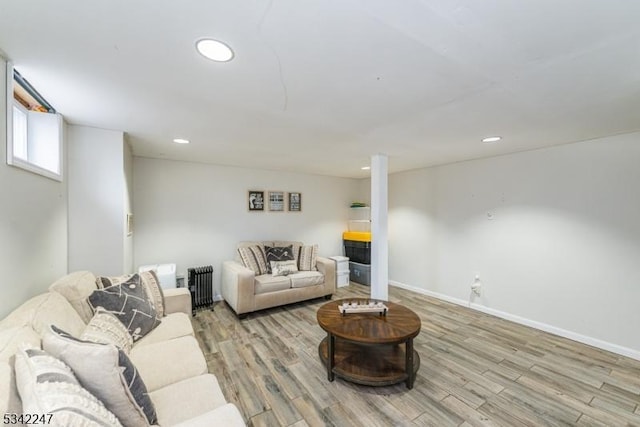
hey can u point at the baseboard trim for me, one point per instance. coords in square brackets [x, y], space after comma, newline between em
[603, 345]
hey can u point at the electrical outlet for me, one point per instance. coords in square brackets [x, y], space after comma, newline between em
[476, 286]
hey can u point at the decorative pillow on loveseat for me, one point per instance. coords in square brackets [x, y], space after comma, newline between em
[130, 303]
[106, 372]
[283, 268]
[48, 386]
[278, 253]
[253, 258]
[307, 258]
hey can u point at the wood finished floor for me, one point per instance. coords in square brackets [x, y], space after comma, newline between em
[476, 370]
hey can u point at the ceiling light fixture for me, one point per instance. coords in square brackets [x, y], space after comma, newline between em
[492, 139]
[214, 50]
[365, 168]
[181, 141]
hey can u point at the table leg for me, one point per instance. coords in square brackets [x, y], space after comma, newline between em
[331, 346]
[411, 376]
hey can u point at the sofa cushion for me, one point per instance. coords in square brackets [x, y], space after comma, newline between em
[307, 258]
[197, 395]
[303, 279]
[227, 416]
[268, 283]
[48, 386]
[76, 288]
[174, 325]
[277, 253]
[107, 373]
[43, 310]
[167, 362]
[105, 328]
[130, 303]
[148, 280]
[253, 258]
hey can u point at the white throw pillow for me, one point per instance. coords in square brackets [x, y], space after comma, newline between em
[106, 328]
[48, 386]
[283, 268]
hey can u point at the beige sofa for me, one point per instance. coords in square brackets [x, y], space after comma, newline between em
[245, 291]
[168, 359]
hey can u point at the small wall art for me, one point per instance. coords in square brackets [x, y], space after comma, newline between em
[256, 201]
[276, 201]
[295, 202]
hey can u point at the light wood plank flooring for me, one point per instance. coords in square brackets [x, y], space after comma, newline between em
[476, 370]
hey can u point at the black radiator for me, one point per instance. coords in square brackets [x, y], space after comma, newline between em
[200, 283]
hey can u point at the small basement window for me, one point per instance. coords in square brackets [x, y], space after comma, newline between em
[34, 129]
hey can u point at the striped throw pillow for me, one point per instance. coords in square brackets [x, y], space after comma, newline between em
[307, 258]
[253, 258]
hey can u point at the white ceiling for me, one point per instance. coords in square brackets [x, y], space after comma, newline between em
[318, 86]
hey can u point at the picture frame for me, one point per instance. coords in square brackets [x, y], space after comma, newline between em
[255, 200]
[295, 202]
[276, 201]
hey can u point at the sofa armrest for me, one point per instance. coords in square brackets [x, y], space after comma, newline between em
[327, 267]
[177, 300]
[226, 415]
[238, 286]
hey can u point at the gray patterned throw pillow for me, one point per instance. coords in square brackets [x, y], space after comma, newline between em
[107, 373]
[150, 282]
[130, 303]
[278, 253]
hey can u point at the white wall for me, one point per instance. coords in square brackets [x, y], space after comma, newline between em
[128, 207]
[33, 226]
[412, 227]
[554, 235]
[194, 214]
[97, 194]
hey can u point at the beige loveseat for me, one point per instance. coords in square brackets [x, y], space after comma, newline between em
[247, 288]
[168, 359]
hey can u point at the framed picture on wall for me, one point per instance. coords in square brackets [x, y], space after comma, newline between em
[295, 202]
[276, 201]
[256, 201]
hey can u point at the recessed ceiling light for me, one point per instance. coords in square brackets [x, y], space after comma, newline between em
[365, 168]
[214, 50]
[492, 139]
[181, 141]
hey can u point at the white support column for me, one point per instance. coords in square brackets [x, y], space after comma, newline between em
[379, 228]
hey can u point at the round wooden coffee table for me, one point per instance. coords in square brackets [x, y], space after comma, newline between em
[366, 348]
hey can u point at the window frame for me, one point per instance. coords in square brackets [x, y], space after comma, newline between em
[17, 161]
